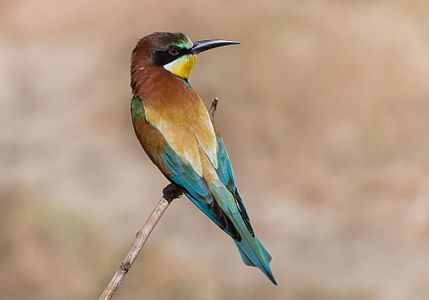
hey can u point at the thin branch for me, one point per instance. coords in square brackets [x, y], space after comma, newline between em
[170, 193]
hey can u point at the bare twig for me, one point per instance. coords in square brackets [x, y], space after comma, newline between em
[170, 193]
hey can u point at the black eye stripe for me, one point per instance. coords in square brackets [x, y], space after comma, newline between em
[163, 57]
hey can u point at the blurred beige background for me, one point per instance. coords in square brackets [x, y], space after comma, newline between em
[325, 111]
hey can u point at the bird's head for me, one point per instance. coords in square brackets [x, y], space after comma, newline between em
[175, 52]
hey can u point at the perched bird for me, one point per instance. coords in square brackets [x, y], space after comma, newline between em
[174, 127]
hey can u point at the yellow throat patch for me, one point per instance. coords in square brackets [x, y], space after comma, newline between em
[182, 66]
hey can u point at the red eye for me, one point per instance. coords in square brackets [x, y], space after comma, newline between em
[174, 51]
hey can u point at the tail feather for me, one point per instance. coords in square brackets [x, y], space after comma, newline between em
[244, 257]
[267, 255]
[252, 252]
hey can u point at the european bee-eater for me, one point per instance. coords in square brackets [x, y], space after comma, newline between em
[174, 127]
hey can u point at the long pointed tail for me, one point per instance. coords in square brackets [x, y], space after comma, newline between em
[251, 249]
[253, 252]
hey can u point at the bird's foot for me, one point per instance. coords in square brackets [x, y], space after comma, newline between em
[171, 192]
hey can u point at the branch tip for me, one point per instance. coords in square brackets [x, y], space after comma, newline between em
[213, 107]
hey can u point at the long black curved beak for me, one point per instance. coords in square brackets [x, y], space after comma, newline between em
[203, 45]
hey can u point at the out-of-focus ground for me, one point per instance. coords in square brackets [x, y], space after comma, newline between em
[325, 111]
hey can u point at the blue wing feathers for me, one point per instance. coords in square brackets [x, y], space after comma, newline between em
[224, 170]
[222, 203]
[184, 176]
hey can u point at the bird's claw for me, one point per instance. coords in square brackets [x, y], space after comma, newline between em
[171, 192]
